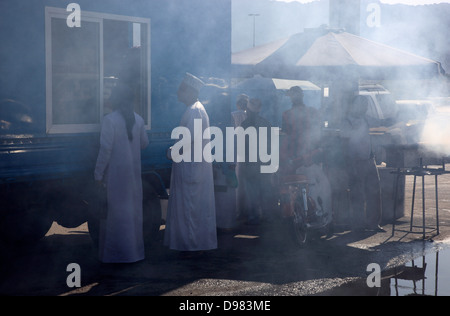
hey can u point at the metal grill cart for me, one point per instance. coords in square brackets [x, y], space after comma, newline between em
[420, 171]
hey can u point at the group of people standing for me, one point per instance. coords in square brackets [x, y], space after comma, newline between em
[255, 195]
[191, 214]
[302, 152]
[191, 221]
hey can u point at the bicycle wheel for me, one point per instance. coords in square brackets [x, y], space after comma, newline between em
[299, 228]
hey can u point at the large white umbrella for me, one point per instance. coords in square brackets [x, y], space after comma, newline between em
[325, 54]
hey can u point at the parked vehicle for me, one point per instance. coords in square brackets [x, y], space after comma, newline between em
[384, 110]
[55, 82]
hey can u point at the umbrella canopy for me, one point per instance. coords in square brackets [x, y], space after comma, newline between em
[322, 54]
[258, 82]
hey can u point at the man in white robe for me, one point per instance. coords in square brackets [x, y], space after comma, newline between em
[119, 168]
[191, 214]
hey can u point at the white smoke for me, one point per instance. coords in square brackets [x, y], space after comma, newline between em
[435, 136]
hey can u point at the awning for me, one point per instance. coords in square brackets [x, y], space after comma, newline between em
[321, 54]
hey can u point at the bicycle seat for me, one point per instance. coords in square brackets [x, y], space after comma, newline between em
[294, 179]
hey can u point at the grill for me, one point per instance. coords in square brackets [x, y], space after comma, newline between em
[413, 160]
[414, 156]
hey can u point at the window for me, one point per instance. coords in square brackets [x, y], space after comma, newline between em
[84, 64]
[387, 104]
[372, 110]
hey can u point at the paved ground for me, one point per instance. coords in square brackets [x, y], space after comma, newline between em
[252, 260]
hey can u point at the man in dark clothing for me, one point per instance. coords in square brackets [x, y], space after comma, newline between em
[364, 180]
[301, 151]
[301, 128]
[257, 185]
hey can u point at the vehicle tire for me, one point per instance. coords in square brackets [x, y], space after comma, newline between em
[73, 215]
[298, 225]
[71, 203]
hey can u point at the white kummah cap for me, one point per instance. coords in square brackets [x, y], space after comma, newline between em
[193, 81]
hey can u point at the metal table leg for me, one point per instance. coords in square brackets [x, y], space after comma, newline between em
[437, 201]
[423, 205]
[395, 201]
[412, 203]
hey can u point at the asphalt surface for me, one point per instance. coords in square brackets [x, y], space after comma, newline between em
[250, 261]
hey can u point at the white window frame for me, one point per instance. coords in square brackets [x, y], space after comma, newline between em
[52, 12]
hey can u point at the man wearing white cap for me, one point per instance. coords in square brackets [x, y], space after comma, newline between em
[191, 214]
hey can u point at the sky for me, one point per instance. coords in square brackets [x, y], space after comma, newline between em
[411, 2]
